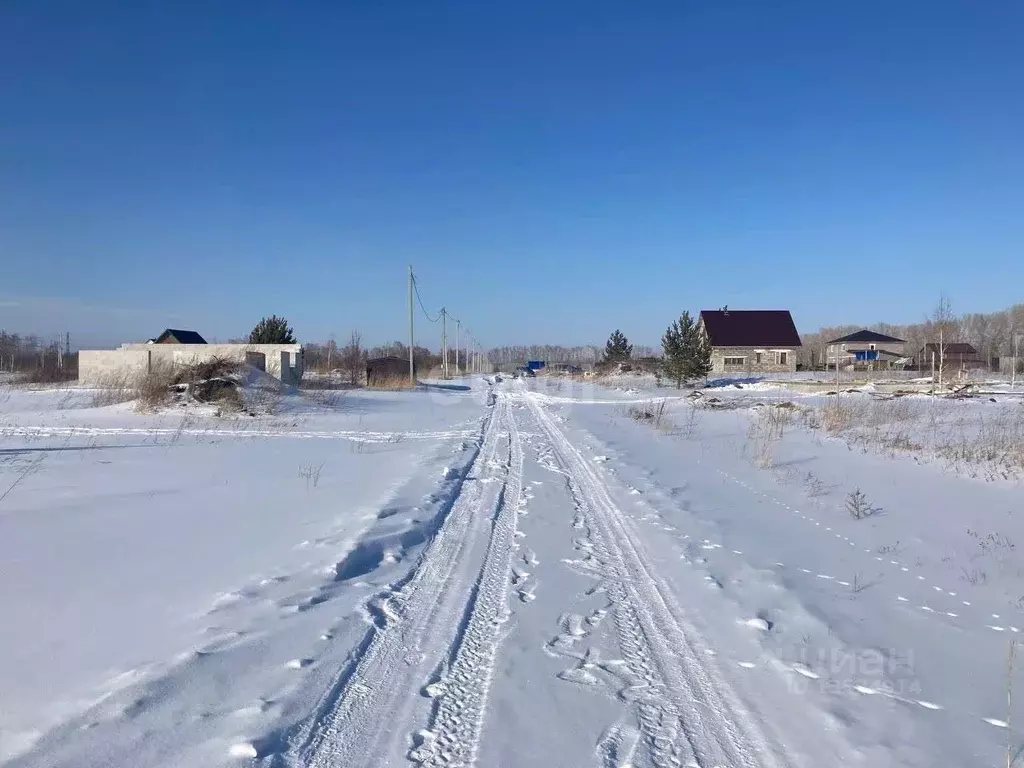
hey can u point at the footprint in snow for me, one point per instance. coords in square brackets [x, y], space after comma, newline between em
[802, 669]
[298, 663]
[435, 689]
[526, 594]
[530, 558]
[243, 749]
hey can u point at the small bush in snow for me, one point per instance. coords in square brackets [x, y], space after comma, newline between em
[650, 413]
[311, 474]
[858, 506]
[814, 485]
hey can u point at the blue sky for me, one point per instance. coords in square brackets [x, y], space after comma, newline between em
[552, 170]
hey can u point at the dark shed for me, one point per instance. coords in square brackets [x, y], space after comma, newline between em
[382, 371]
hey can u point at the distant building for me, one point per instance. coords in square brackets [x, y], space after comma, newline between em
[177, 348]
[751, 341]
[866, 348]
[955, 355]
[174, 336]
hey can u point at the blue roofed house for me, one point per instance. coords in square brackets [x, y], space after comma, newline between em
[867, 349]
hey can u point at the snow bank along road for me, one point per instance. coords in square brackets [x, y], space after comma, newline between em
[419, 689]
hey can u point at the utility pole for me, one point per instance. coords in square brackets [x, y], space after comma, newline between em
[444, 343]
[458, 328]
[412, 366]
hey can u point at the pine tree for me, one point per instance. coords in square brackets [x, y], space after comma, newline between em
[674, 346]
[698, 354]
[272, 330]
[687, 351]
[618, 348]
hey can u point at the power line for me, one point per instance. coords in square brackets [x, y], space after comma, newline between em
[461, 333]
[416, 288]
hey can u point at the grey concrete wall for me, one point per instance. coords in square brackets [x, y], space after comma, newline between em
[186, 354]
[103, 366]
[283, 361]
[769, 360]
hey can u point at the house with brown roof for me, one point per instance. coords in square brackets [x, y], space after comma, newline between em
[955, 356]
[751, 340]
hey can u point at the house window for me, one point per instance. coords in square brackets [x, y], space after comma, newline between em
[738, 361]
[757, 358]
[783, 358]
[872, 347]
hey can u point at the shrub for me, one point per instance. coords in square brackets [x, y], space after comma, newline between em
[858, 506]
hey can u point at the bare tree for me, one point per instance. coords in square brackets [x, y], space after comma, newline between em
[332, 350]
[352, 357]
[944, 326]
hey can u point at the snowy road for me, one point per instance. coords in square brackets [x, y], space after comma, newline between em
[439, 636]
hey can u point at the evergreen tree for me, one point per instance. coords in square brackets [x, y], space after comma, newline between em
[618, 348]
[687, 351]
[272, 330]
[699, 354]
[673, 344]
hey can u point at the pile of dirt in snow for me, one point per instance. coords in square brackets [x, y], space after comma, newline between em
[227, 385]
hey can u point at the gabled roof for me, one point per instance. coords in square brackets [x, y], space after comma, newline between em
[952, 348]
[750, 328]
[181, 337]
[867, 336]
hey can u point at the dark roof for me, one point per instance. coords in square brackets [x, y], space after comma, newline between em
[952, 348]
[750, 328]
[868, 336]
[181, 337]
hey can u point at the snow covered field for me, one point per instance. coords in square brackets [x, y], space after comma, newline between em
[510, 574]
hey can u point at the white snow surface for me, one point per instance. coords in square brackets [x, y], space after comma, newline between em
[512, 573]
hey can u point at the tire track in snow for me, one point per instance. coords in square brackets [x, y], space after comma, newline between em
[358, 723]
[687, 713]
[453, 736]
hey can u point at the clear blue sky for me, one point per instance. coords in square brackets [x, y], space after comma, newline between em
[553, 170]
